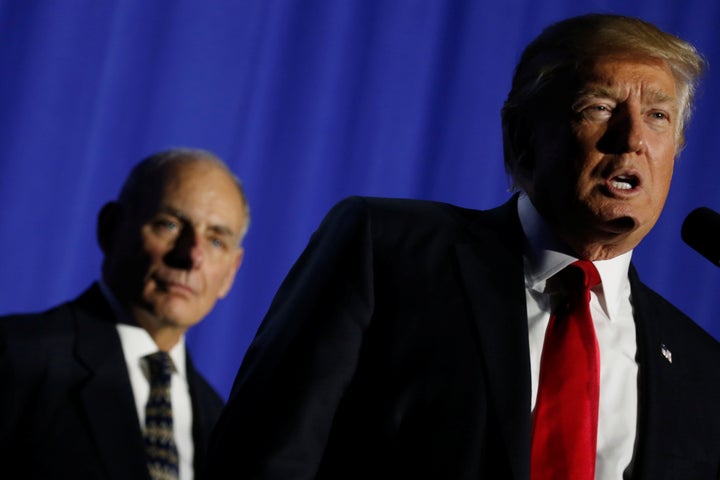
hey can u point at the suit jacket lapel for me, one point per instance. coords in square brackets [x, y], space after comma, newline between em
[107, 396]
[492, 274]
[655, 382]
[201, 427]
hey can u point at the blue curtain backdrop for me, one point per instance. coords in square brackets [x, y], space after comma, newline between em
[308, 101]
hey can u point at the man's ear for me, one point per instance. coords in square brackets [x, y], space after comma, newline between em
[520, 137]
[519, 149]
[107, 225]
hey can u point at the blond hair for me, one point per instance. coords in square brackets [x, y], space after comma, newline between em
[564, 47]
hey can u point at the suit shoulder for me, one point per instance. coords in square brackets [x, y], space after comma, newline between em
[31, 320]
[40, 331]
[409, 223]
[676, 325]
[405, 210]
[90, 302]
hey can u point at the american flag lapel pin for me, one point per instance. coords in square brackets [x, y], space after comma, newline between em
[666, 353]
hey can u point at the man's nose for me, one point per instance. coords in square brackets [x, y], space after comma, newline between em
[187, 253]
[626, 133]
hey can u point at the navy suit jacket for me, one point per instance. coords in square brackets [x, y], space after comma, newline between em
[67, 406]
[397, 348]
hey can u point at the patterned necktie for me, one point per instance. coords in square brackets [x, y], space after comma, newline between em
[564, 436]
[159, 443]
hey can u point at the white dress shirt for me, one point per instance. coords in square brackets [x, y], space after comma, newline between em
[611, 309]
[136, 344]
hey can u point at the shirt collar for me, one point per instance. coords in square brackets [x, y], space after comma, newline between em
[546, 255]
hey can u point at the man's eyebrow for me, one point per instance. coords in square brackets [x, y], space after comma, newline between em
[590, 92]
[168, 210]
[653, 95]
[222, 230]
[660, 96]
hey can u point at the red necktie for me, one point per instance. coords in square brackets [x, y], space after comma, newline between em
[565, 421]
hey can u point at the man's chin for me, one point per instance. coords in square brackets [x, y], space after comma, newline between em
[621, 225]
[176, 311]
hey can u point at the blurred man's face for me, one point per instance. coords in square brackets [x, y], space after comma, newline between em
[602, 171]
[173, 258]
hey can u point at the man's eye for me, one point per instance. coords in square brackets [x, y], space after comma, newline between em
[596, 112]
[166, 225]
[599, 108]
[217, 243]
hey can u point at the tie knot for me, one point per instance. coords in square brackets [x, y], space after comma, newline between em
[589, 276]
[578, 278]
[161, 367]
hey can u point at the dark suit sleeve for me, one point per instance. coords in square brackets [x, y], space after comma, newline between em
[279, 414]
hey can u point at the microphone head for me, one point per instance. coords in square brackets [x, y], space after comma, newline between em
[701, 230]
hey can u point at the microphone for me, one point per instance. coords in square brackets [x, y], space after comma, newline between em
[701, 230]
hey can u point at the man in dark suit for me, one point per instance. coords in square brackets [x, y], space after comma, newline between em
[75, 379]
[406, 342]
